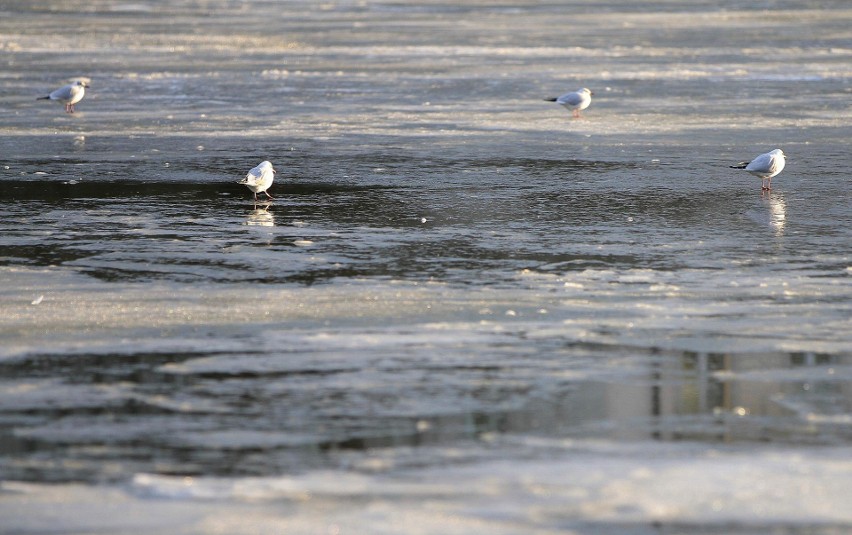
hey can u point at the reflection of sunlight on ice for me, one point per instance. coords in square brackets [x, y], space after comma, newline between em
[260, 217]
[777, 213]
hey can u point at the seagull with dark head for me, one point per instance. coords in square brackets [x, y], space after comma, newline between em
[765, 166]
[68, 94]
[576, 101]
[259, 179]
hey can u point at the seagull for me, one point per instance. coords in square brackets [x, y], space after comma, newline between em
[68, 94]
[765, 166]
[259, 179]
[576, 101]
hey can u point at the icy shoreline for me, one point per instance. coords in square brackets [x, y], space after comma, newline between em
[555, 487]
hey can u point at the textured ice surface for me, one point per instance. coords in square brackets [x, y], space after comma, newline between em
[465, 312]
[555, 488]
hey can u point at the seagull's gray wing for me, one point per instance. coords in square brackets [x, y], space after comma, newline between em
[63, 93]
[570, 98]
[762, 164]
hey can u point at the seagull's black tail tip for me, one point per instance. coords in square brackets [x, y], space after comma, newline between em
[741, 165]
[550, 99]
[44, 98]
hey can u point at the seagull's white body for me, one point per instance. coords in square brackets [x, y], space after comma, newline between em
[765, 166]
[259, 179]
[576, 101]
[69, 94]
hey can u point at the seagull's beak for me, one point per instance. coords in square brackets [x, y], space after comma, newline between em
[274, 171]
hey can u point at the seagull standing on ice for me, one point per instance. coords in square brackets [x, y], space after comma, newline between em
[259, 179]
[765, 166]
[68, 94]
[577, 100]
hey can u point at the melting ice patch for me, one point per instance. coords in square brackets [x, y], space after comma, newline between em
[575, 483]
[558, 485]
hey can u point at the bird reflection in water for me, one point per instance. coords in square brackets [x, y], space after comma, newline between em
[260, 216]
[777, 212]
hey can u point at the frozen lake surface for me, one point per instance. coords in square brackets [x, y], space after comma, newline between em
[465, 311]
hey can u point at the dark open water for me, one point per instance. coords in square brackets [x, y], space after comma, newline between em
[465, 312]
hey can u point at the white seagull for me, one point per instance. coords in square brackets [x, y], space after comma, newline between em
[68, 94]
[577, 100]
[259, 179]
[765, 166]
